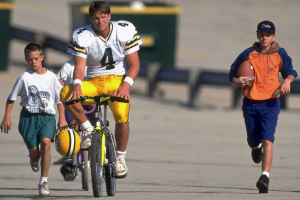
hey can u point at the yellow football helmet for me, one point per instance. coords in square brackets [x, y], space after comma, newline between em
[67, 142]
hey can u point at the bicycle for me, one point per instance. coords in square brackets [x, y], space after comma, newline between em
[103, 149]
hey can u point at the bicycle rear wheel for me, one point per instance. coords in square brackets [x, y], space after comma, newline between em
[97, 159]
[85, 170]
[109, 172]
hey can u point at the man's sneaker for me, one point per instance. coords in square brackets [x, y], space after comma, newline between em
[121, 168]
[86, 138]
[43, 189]
[35, 165]
[263, 184]
[68, 171]
[257, 155]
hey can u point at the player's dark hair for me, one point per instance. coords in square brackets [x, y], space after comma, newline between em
[31, 47]
[97, 6]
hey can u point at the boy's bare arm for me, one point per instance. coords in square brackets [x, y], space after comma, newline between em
[62, 119]
[6, 122]
[286, 85]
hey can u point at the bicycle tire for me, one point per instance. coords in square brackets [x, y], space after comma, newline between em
[97, 159]
[85, 170]
[109, 172]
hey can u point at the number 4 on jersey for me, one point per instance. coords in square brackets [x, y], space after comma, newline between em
[108, 55]
[123, 24]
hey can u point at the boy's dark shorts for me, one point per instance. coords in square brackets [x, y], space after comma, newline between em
[34, 126]
[260, 119]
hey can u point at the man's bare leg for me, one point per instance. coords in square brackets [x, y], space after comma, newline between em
[76, 110]
[122, 135]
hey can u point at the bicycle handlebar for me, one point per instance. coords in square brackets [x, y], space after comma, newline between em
[99, 99]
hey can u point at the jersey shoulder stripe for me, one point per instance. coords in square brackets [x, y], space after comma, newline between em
[73, 45]
[81, 38]
[135, 41]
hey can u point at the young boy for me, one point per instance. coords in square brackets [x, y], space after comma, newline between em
[39, 90]
[65, 76]
[261, 105]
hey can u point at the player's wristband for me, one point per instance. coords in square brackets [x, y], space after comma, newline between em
[77, 81]
[129, 80]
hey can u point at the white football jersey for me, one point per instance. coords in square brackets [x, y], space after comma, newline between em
[105, 56]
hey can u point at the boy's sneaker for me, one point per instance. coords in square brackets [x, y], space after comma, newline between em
[86, 141]
[43, 189]
[263, 184]
[68, 171]
[35, 165]
[121, 168]
[256, 155]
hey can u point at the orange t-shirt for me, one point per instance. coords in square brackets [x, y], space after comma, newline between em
[266, 82]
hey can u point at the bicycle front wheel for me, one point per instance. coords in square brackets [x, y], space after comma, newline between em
[97, 160]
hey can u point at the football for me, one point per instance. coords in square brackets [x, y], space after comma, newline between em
[246, 70]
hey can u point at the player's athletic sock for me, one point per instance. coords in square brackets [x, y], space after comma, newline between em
[86, 125]
[121, 154]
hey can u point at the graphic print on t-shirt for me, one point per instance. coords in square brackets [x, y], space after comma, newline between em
[38, 101]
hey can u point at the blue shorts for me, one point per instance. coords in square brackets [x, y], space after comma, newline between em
[35, 126]
[68, 116]
[260, 119]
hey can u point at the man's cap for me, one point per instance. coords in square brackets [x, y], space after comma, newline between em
[266, 26]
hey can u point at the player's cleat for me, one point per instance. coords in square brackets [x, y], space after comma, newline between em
[263, 184]
[43, 189]
[86, 138]
[256, 155]
[68, 171]
[121, 168]
[35, 165]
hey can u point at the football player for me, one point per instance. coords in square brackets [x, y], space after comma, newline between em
[103, 46]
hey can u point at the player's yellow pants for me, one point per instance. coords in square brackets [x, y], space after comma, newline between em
[107, 85]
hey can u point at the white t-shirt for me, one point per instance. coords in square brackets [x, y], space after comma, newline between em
[38, 92]
[66, 72]
[105, 56]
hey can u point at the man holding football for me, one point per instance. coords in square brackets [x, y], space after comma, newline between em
[261, 105]
[102, 46]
